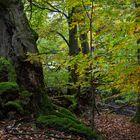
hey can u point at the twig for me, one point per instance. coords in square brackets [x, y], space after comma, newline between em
[97, 109]
[61, 138]
[52, 9]
[61, 35]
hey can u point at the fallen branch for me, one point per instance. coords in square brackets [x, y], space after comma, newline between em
[61, 138]
[115, 109]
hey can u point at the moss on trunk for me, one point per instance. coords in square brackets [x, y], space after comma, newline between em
[17, 39]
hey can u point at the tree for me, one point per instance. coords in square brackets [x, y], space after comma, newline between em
[137, 20]
[70, 11]
[17, 39]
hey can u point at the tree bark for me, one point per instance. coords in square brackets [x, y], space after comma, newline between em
[73, 37]
[73, 49]
[16, 40]
[73, 40]
[84, 43]
[137, 115]
[83, 30]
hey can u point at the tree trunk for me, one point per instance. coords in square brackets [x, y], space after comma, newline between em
[84, 40]
[137, 115]
[84, 43]
[73, 50]
[136, 118]
[4, 74]
[73, 40]
[16, 40]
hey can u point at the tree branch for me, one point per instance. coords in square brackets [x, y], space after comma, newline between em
[59, 11]
[41, 7]
[52, 9]
[63, 37]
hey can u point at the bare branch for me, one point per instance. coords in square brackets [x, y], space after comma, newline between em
[59, 11]
[52, 9]
[61, 35]
[63, 38]
[41, 7]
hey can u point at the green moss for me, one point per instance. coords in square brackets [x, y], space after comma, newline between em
[73, 99]
[67, 112]
[11, 73]
[47, 105]
[8, 86]
[67, 122]
[25, 94]
[136, 118]
[5, 63]
[14, 104]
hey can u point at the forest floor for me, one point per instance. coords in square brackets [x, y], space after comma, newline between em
[117, 127]
[112, 126]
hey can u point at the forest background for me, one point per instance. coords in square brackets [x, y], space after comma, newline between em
[88, 49]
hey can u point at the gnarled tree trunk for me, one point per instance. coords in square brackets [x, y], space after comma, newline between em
[16, 40]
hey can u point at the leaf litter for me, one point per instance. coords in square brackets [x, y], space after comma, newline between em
[112, 126]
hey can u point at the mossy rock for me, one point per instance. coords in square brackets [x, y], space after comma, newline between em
[7, 70]
[14, 105]
[13, 98]
[65, 120]
[8, 87]
[9, 91]
[25, 94]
